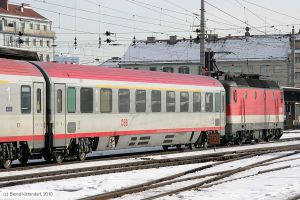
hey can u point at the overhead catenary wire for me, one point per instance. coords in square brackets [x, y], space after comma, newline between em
[274, 11]
[232, 16]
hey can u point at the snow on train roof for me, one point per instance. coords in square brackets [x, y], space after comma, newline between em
[227, 49]
[58, 70]
[17, 67]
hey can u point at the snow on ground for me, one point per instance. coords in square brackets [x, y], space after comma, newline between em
[92, 185]
[290, 134]
[274, 185]
[238, 189]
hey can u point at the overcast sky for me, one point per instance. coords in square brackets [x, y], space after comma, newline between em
[88, 19]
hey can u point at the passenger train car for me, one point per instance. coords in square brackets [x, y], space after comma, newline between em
[58, 110]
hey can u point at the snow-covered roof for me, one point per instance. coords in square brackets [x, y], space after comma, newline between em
[227, 49]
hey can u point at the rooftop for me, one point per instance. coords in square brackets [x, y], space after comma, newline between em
[23, 10]
[240, 48]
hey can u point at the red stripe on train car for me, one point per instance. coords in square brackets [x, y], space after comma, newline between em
[102, 134]
[136, 132]
[22, 138]
[59, 70]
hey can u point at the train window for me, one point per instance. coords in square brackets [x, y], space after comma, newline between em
[59, 101]
[106, 100]
[196, 102]
[124, 100]
[170, 97]
[140, 101]
[86, 100]
[235, 96]
[184, 102]
[155, 101]
[38, 100]
[71, 95]
[209, 102]
[25, 99]
[217, 102]
[223, 103]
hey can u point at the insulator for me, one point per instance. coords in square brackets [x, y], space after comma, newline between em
[75, 42]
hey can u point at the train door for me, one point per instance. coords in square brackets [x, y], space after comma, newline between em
[59, 115]
[38, 115]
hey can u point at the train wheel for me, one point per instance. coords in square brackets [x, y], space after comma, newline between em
[81, 156]
[165, 147]
[58, 158]
[6, 164]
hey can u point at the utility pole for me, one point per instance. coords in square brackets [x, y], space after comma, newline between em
[202, 37]
[292, 71]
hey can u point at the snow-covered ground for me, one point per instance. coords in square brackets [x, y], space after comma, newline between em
[273, 185]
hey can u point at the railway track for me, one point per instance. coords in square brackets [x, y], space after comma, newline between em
[106, 169]
[36, 165]
[213, 178]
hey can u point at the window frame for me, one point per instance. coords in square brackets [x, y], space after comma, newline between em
[210, 104]
[39, 100]
[68, 100]
[184, 107]
[136, 101]
[102, 90]
[168, 102]
[81, 100]
[198, 105]
[153, 101]
[217, 104]
[59, 106]
[127, 110]
[28, 110]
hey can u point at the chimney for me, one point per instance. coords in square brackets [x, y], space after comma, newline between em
[26, 5]
[151, 39]
[4, 4]
[173, 39]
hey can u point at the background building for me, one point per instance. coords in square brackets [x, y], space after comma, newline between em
[267, 55]
[22, 27]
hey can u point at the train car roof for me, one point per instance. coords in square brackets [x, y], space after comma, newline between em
[18, 67]
[58, 70]
[248, 82]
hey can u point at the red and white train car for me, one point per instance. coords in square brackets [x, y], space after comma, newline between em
[59, 110]
[98, 108]
[255, 110]
[22, 111]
